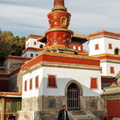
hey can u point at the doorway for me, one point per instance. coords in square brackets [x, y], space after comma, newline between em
[73, 97]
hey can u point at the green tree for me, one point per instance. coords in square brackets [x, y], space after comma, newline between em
[10, 45]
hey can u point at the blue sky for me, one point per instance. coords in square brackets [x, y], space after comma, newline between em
[25, 17]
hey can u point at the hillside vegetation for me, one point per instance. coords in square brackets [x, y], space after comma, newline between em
[10, 45]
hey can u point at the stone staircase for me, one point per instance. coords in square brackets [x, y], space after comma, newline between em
[81, 115]
[73, 115]
[93, 117]
[78, 115]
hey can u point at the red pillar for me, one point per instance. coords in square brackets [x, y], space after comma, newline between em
[3, 109]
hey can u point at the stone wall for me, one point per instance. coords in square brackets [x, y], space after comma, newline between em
[19, 81]
[12, 65]
[91, 103]
[47, 107]
[43, 103]
[13, 83]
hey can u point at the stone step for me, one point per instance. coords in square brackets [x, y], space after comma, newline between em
[82, 117]
[89, 113]
[78, 113]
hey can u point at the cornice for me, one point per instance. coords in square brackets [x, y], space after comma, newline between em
[106, 54]
[108, 58]
[115, 96]
[110, 61]
[62, 58]
[59, 8]
[104, 33]
[113, 89]
[59, 29]
[106, 36]
[32, 49]
[60, 65]
[58, 11]
[33, 36]
[70, 56]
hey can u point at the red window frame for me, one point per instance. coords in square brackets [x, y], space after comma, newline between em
[112, 70]
[36, 81]
[30, 87]
[94, 83]
[52, 81]
[110, 46]
[25, 85]
[35, 43]
[96, 46]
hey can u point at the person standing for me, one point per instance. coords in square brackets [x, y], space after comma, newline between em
[63, 114]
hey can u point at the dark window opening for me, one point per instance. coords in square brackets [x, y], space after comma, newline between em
[41, 46]
[116, 51]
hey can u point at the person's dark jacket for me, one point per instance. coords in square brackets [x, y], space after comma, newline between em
[61, 115]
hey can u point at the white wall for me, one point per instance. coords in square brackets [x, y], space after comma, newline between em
[28, 54]
[104, 48]
[30, 43]
[34, 91]
[103, 45]
[91, 45]
[106, 68]
[115, 44]
[63, 76]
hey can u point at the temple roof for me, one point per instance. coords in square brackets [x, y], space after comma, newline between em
[104, 33]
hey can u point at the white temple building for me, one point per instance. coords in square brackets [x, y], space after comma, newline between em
[54, 70]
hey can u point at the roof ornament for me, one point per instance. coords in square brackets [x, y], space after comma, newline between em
[59, 5]
[58, 35]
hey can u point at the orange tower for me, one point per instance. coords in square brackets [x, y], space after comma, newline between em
[59, 36]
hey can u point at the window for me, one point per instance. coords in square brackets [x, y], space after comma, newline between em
[34, 43]
[116, 51]
[36, 82]
[25, 85]
[110, 46]
[30, 87]
[94, 84]
[31, 55]
[51, 81]
[96, 46]
[74, 47]
[36, 54]
[79, 48]
[112, 71]
[63, 21]
[12, 106]
[41, 46]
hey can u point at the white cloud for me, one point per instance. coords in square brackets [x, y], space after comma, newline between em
[89, 16]
[25, 17]
[16, 15]
[21, 14]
